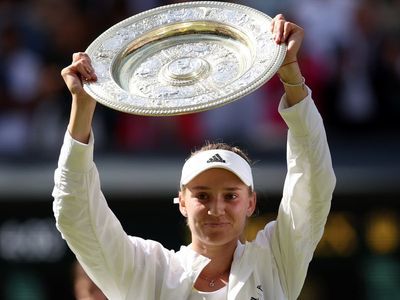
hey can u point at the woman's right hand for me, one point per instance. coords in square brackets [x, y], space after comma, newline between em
[83, 105]
[78, 71]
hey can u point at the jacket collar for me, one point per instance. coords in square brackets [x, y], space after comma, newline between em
[193, 263]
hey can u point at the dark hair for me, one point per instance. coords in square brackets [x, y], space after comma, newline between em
[222, 146]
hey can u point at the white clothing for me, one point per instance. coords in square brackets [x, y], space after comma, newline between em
[217, 295]
[273, 266]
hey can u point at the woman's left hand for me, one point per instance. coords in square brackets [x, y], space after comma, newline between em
[289, 33]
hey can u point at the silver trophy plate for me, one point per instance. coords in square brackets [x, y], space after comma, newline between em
[183, 58]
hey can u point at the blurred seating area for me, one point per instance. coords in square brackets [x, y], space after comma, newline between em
[350, 58]
[351, 61]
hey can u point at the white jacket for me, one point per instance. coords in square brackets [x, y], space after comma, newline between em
[273, 266]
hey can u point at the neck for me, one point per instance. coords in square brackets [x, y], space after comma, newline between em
[221, 257]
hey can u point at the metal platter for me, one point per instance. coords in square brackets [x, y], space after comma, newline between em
[183, 58]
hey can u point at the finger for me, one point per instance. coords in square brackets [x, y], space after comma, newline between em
[287, 28]
[278, 30]
[70, 73]
[278, 17]
[87, 71]
[74, 75]
[80, 55]
[293, 32]
[279, 27]
[84, 68]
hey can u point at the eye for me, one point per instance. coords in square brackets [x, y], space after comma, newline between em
[202, 196]
[230, 196]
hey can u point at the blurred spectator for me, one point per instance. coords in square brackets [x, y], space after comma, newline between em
[385, 68]
[386, 77]
[356, 102]
[20, 67]
[353, 68]
[336, 15]
[251, 118]
[173, 133]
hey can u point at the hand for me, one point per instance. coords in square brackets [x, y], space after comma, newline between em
[289, 72]
[83, 105]
[80, 69]
[289, 33]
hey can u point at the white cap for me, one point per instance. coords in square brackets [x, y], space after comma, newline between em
[217, 158]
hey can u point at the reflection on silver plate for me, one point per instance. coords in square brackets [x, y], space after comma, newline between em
[183, 58]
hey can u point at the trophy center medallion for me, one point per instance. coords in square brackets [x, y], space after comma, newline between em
[185, 69]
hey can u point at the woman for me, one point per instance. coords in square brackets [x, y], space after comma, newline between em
[216, 197]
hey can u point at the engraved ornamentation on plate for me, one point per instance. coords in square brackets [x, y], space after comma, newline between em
[183, 58]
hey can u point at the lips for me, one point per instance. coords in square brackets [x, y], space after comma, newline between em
[216, 224]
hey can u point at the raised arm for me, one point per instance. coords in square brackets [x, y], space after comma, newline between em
[117, 263]
[310, 179]
[82, 106]
[289, 72]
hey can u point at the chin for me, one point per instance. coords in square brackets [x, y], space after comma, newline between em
[220, 240]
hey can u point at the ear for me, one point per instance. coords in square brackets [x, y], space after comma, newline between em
[252, 204]
[182, 204]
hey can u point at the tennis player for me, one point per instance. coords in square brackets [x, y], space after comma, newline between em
[216, 197]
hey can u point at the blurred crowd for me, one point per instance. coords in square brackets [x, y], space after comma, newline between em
[351, 60]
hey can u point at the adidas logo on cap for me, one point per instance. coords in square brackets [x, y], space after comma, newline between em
[216, 158]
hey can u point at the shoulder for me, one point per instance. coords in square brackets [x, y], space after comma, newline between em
[150, 247]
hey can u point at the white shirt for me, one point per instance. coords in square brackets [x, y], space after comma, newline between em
[273, 266]
[220, 294]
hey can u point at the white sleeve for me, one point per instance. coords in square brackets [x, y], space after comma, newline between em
[307, 194]
[113, 260]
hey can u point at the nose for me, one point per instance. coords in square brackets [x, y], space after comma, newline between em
[217, 207]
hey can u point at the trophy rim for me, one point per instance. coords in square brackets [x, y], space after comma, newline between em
[108, 90]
